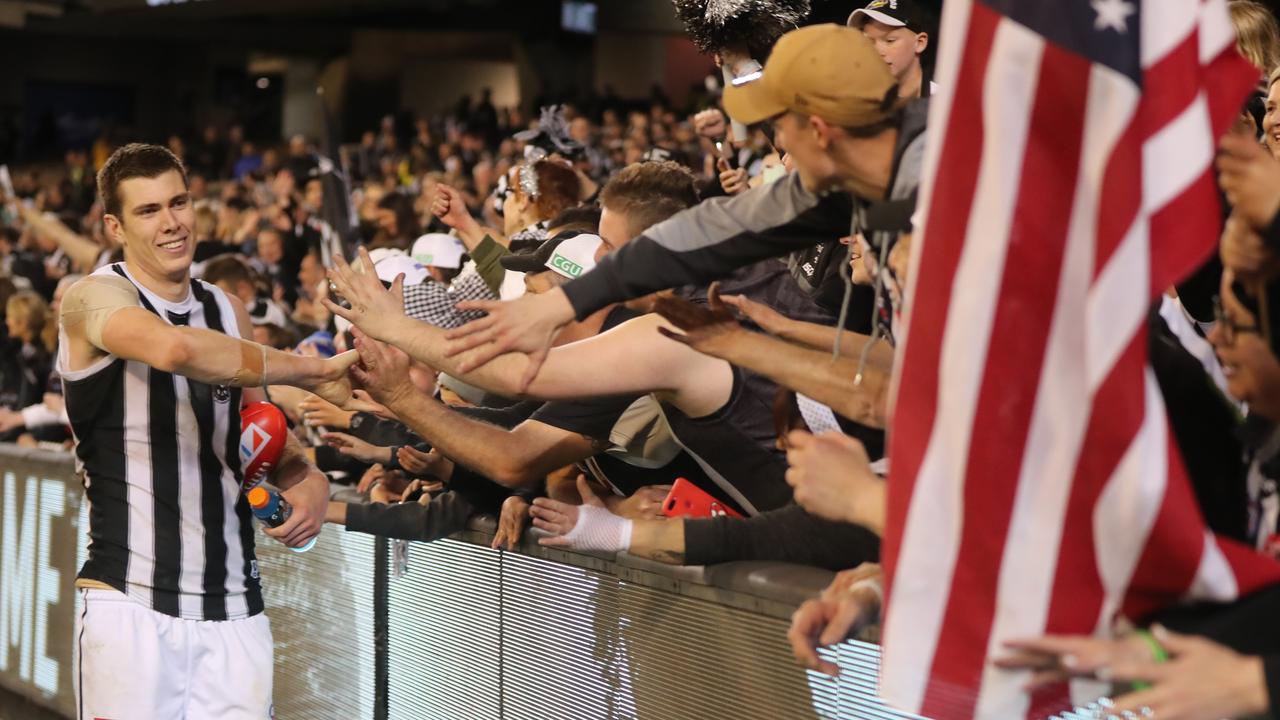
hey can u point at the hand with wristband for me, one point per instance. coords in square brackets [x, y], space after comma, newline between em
[589, 526]
[1156, 674]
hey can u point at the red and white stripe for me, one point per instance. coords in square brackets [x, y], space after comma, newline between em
[1035, 485]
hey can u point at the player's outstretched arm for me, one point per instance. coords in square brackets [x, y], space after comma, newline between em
[530, 451]
[99, 317]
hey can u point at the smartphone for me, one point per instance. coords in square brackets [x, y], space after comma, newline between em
[689, 500]
[730, 157]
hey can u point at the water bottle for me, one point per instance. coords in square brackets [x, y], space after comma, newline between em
[273, 511]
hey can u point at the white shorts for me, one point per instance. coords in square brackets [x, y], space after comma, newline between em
[137, 663]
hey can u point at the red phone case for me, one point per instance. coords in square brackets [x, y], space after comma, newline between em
[689, 500]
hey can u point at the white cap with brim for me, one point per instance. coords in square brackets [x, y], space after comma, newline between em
[574, 256]
[392, 266]
[377, 255]
[439, 250]
[389, 262]
[855, 21]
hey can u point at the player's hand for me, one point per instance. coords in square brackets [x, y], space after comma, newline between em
[383, 370]
[334, 385]
[1250, 177]
[374, 309]
[511, 523]
[526, 325]
[354, 447]
[310, 500]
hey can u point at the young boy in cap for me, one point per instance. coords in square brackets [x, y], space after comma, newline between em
[901, 31]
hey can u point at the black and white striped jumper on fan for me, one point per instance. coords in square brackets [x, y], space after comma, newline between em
[168, 525]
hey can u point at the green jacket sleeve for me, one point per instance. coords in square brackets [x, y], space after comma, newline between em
[486, 256]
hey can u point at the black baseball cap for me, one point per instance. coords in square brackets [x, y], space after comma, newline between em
[534, 260]
[894, 13]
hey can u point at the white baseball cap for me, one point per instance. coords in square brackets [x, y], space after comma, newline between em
[439, 250]
[393, 265]
[389, 262]
[377, 255]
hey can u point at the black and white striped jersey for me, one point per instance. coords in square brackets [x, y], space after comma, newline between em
[168, 525]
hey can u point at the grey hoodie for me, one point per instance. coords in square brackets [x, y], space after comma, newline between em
[708, 241]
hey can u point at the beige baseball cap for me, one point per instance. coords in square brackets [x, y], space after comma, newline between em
[830, 71]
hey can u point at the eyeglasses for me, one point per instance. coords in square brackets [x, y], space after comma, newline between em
[1229, 327]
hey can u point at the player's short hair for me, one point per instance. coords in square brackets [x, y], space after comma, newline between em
[132, 161]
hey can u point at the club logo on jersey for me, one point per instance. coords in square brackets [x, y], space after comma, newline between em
[252, 441]
[221, 393]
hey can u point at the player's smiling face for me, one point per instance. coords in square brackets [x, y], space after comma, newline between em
[156, 224]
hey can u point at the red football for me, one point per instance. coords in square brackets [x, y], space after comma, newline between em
[263, 431]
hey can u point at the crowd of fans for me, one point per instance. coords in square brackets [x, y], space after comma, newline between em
[766, 389]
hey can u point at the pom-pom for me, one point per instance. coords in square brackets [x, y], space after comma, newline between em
[551, 136]
[754, 24]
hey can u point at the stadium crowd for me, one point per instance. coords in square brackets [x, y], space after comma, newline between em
[720, 292]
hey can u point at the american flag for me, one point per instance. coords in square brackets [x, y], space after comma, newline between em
[1035, 486]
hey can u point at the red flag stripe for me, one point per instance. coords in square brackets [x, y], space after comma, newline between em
[934, 275]
[1180, 229]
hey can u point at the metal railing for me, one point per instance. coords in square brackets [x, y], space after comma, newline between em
[370, 628]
